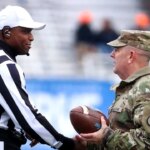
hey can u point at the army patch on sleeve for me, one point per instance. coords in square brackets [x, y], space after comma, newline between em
[148, 121]
[146, 118]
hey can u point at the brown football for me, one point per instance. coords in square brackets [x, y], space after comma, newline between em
[85, 119]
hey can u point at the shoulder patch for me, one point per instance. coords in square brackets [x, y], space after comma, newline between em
[148, 121]
[146, 118]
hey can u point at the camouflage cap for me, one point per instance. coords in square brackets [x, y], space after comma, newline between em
[136, 38]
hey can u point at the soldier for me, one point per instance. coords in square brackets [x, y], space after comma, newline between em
[129, 115]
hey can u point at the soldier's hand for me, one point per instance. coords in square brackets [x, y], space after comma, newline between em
[97, 136]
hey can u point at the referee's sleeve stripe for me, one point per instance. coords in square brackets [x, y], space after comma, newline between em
[37, 129]
[15, 76]
[3, 59]
[12, 105]
[15, 109]
[39, 117]
[1, 110]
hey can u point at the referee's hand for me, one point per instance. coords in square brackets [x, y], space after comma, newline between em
[80, 144]
[33, 141]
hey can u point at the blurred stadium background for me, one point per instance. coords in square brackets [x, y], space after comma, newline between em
[54, 81]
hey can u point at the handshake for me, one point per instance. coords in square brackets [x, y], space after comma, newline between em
[78, 144]
[90, 125]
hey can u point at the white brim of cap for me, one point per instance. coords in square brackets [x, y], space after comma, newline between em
[33, 25]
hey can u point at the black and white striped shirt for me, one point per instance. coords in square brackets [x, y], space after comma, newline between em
[16, 111]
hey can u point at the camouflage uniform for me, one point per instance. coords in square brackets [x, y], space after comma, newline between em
[129, 115]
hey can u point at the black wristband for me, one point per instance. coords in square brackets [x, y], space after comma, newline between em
[68, 143]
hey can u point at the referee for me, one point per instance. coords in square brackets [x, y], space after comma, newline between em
[18, 117]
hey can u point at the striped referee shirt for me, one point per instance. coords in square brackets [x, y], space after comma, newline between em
[16, 111]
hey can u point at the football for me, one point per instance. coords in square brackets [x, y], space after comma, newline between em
[85, 119]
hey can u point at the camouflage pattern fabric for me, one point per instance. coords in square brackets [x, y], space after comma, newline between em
[135, 38]
[129, 115]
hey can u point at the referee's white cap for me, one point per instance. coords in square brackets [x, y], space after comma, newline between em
[14, 16]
